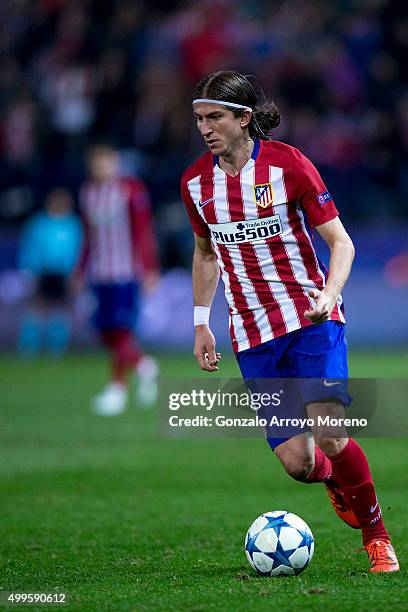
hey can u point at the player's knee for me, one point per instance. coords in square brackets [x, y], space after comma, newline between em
[299, 468]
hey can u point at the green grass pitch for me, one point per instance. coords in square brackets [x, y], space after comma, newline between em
[120, 519]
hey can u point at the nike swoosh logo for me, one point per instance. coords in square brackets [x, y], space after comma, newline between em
[201, 203]
[372, 509]
[327, 384]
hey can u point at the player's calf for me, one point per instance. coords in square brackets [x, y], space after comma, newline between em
[328, 430]
[297, 456]
[331, 446]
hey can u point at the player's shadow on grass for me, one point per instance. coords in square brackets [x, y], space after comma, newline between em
[237, 572]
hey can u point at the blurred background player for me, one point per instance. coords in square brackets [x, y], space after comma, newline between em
[49, 248]
[119, 249]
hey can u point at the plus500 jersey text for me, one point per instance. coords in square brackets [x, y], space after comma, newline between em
[253, 230]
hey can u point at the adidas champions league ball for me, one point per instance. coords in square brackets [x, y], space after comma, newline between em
[279, 544]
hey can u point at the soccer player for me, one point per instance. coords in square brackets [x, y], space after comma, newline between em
[120, 248]
[250, 200]
[49, 249]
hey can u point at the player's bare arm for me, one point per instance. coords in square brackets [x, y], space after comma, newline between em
[206, 273]
[341, 258]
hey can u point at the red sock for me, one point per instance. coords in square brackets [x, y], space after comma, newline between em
[352, 473]
[124, 350]
[322, 467]
[128, 353]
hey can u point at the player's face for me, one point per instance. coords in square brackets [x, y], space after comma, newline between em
[103, 164]
[59, 203]
[221, 129]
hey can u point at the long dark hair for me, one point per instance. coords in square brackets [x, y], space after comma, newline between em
[231, 86]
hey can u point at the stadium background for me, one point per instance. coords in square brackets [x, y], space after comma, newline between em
[73, 72]
[81, 495]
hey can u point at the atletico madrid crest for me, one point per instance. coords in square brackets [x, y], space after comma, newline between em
[263, 194]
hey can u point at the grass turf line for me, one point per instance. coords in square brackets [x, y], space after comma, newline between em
[122, 520]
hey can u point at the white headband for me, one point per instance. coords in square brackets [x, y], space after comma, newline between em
[230, 104]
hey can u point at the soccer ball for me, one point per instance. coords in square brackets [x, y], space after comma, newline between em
[279, 544]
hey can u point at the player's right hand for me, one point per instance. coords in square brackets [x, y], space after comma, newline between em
[204, 349]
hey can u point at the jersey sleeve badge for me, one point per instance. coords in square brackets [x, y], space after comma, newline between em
[324, 197]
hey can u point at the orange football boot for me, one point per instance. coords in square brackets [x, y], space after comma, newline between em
[340, 505]
[382, 556]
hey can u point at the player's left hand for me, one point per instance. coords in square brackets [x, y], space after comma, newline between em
[324, 305]
[151, 282]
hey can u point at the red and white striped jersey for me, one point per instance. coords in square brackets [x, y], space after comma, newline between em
[119, 238]
[257, 225]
